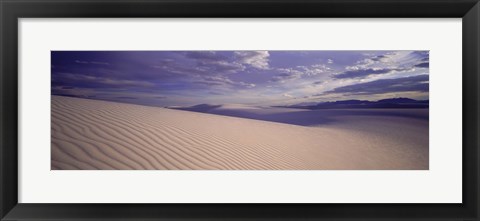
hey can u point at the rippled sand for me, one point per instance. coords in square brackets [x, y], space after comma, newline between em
[101, 135]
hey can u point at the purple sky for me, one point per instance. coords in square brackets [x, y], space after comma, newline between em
[185, 78]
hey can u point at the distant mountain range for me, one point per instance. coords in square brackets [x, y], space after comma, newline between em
[203, 108]
[385, 103]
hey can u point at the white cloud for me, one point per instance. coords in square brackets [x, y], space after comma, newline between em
[222, 81]
[256, 59]
[315, 69]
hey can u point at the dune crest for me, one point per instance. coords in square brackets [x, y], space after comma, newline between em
[92, 135]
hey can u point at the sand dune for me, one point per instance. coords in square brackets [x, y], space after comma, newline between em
[90, 134]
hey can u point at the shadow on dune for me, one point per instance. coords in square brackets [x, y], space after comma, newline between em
[303, 117]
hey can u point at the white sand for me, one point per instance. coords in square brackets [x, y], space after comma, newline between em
[90, 134]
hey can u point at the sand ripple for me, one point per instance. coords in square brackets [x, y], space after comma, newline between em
[91, 135]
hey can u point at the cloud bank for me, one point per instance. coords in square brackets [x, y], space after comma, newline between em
[164, 78]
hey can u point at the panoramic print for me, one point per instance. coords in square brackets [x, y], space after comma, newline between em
[240, 110]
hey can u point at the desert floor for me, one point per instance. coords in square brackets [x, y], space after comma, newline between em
[100, 135]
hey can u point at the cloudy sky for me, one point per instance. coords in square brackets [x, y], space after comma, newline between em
[184, 78]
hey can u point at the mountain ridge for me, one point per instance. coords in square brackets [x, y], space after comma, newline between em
[399, 102]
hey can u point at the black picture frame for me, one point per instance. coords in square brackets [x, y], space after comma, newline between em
[12, 10]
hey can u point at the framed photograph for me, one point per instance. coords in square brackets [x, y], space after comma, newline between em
[228, 110]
